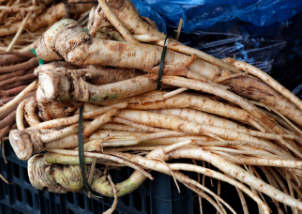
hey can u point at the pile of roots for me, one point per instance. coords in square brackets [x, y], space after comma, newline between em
[33, 17]
[17, 66]
[224, 112]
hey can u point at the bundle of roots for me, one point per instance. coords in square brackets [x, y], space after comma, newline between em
[224, 112]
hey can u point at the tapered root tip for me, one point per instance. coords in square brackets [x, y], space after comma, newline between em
[21, 144]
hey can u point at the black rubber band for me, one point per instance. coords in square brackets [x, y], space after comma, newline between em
[86, 186]
[161, 64]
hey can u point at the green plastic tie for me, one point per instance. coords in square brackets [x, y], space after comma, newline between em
[41, 62]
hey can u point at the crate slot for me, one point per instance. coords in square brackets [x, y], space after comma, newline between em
[90, 205]
[18, 193]
[26, 178]
[58, 211]
[70, 197]
[47, 207]
[81, 201]
[126, 200]
[37, 202]
[16, 170]
[147, 202]
[29, 198]
[137, 201]
[4, 208]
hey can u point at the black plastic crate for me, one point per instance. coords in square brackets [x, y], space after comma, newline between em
[158, 196]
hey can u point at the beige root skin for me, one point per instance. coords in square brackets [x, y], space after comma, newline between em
[115, 22]
[53, 110]
[200, 102]
[236, 172]
[19, 97]
[105, 75]
[98, 122]
[130, 18]
[205, 87]
[25, 143]
[200, 117]
[56, 85]
[268, 162]
[251, 115]
[138, 126]
[184, 71]
[31, 63]
[272, 183]
[234, 98]
[128, 55]
[145, 140]
[95, 19]
[12, 59]
[49, 137]
[24, 22]
[94, 74]
[149, 97]
[19, 115]
[280, 182]
[243, 201]
[259, 91]
[177, 124]
[31, 115]
[74, 119]
[60, 175]
[266, 78]
[121, 54]
[112, 208]
[205, 196]
[99, 144]
[105, 157]
[53, 14]
[151, 164]
[121, 127]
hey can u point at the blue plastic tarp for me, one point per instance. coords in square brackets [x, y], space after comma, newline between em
[200, 14]
[265, 33]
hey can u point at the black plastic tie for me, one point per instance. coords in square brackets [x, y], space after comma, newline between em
[161, 64]
[86, 185]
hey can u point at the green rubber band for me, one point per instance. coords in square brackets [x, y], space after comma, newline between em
[41, 62]
[33, 51]
[161, 64]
